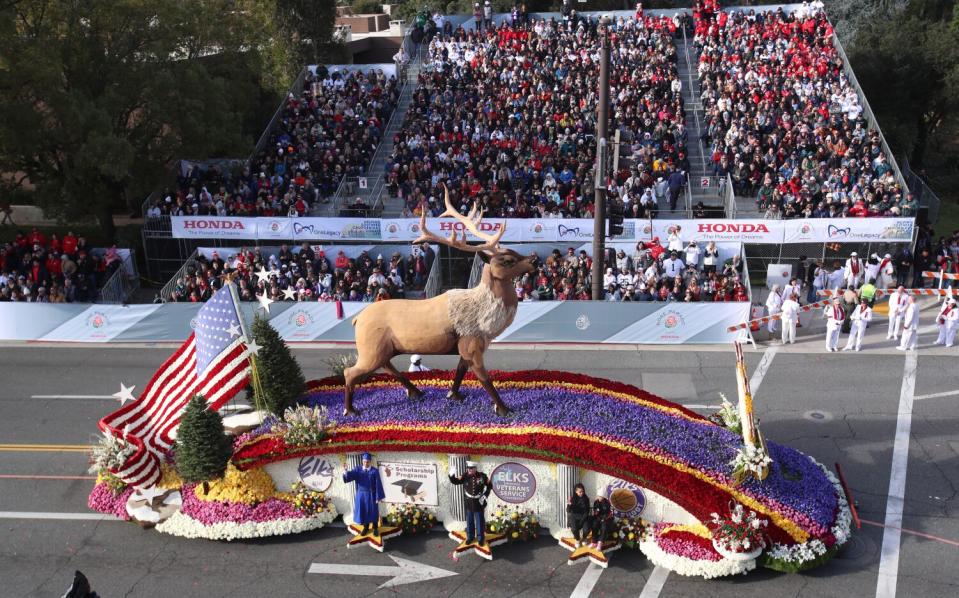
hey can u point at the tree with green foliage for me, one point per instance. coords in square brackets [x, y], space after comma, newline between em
[98, 99]
[281, 378]
[309, 26]
[202, 447]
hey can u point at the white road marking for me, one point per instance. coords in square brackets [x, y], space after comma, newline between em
[588, 581]
[891, 535]
[405, 571]
[654, 585]
[761, 369]
[112, 398]
[57, 516]
[937, 395]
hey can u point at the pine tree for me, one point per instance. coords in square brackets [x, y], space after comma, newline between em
[280, 375]
[202, 447]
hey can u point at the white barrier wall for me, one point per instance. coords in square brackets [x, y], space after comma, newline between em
[535, 487]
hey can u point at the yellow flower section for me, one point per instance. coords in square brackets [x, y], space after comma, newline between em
[525, 385]
[796, 532]
[697, 530]
[169, 478]
[249, 487]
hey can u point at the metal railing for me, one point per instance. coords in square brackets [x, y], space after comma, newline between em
[167, 289]
[297, 90]
[434, 282]
[121, 284]
[748, 283]
[476, 272]
[728, 195]
[926, 197]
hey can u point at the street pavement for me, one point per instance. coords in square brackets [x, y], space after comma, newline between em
[838, 407]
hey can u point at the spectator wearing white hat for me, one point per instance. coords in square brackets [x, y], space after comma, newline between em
[416, 364]
[947, 322]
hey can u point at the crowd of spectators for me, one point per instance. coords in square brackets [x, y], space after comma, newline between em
[37, 269]
[505, 116]
[784, 120]
[329, 132]
[678, 272]
[306, 274]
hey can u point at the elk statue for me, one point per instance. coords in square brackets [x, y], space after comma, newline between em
[462, 321]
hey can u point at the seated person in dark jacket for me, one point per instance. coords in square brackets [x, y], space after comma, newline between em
[602, 521]
[578, 510]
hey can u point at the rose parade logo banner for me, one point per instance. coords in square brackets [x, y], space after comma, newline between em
[513, 483]
[409, 483]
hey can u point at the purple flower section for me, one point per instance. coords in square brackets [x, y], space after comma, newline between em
[209, 513]
[103, 500]
[795, 485]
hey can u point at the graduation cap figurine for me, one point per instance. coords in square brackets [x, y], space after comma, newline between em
[409, 487]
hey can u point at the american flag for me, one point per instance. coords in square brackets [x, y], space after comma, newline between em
[213, 362]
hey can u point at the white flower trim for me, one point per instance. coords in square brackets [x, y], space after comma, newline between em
[691, 568]
[813, 549]
[187, 527]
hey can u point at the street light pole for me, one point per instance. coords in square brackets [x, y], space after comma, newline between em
[602, 134]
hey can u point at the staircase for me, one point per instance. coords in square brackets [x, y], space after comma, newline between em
[692, 104]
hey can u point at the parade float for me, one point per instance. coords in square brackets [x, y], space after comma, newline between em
[703, 496]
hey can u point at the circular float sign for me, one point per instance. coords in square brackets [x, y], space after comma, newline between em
[627, 499]
[316, 473]
[513, 483]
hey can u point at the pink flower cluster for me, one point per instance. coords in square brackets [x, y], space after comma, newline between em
[209, 513]
[102, 499]
[684, 544]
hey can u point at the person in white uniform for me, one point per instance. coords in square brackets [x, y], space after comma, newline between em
[854, 271]
[774, 305]
[947, 321]
[416, 364]
[910, 326]
[859, 319]
[835, 315]
[887, 273]
[790, 316]
[898, 300]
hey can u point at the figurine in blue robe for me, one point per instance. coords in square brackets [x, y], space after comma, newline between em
[369, 491]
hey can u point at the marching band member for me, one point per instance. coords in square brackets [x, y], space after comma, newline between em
[835, 315]
[860, 317]
[854, 271]
[947, 321]
[774, 305]
[887, 273]
[910, 326]
[898, 300]
[790, 311]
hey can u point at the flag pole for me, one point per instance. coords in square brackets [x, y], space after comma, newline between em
[258, 402]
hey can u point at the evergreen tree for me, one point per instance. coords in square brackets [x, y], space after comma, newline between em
[202, 447]
[280, 375]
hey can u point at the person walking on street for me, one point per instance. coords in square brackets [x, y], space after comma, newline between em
[476, 487]
[790, 311]
[910, 326]
[898, 300]
[947, 321]
[835, 315]
[860, 317]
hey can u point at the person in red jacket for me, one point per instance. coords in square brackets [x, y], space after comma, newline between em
[70, 244]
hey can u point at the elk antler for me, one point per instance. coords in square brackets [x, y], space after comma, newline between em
[470, 222]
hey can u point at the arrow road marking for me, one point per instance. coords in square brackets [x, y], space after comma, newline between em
[405, 572]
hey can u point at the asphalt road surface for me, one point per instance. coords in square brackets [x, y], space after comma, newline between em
[838, 407]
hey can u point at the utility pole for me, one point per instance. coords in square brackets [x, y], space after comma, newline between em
[602, 148]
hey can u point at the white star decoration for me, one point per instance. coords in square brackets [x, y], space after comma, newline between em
[150, 494]
[125, 394]
[252, 347]
[289, 294]
[233, 330]
[262, 275]
[264, 302]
